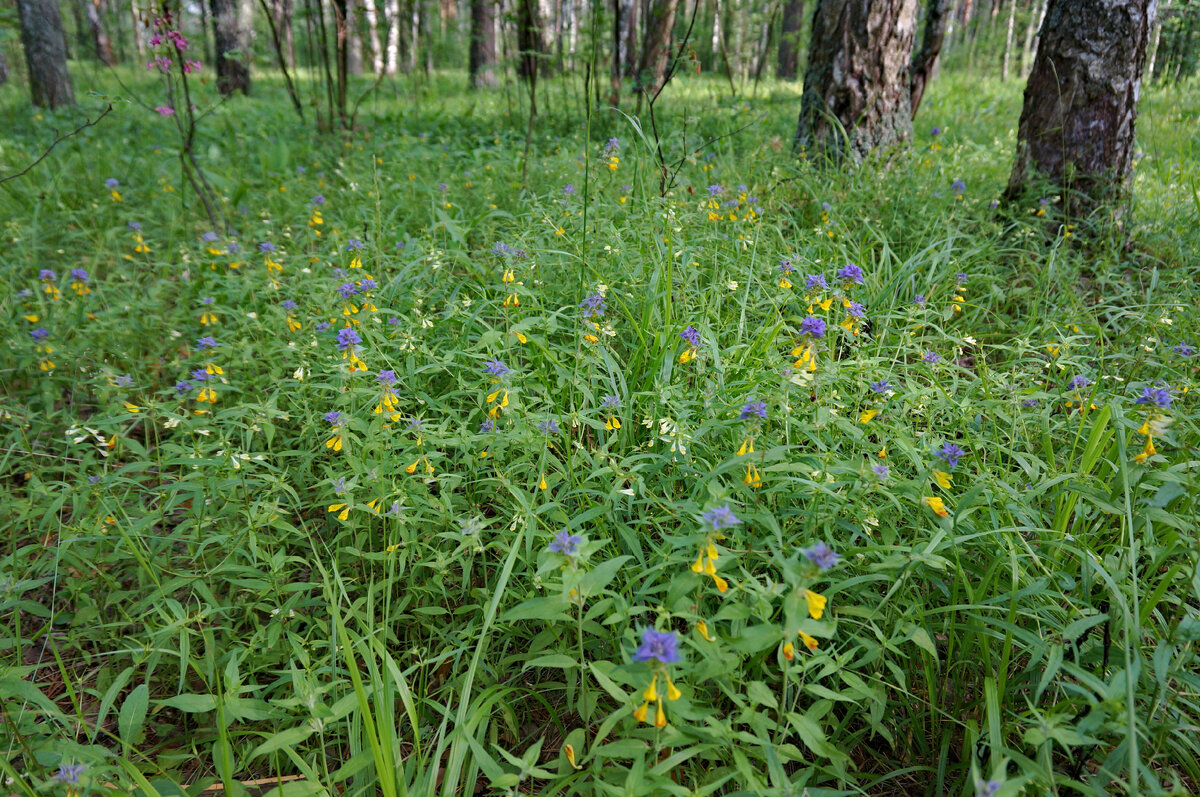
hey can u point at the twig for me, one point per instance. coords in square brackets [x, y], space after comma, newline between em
[88, 123]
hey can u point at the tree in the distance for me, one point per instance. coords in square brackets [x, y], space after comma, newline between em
[788, 65]
[482, 61]
[1077, 123]
[231, 40]
[45, 53]
[856, 87]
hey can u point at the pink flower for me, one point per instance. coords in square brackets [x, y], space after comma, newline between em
[161, 63]
[165, 110]
[191, 66]
[155, 40]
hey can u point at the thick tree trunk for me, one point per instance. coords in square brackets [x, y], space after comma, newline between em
[230, 42]
[100, 40]
[45, 53]
[789, 40]
[482, 62]
[857, 95]
[937, 13]
[1077, 124]
[656, 48]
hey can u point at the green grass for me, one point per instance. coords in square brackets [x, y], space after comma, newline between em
[198, 593]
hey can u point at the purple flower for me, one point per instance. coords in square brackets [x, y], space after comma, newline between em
[210, 237]
[266, 246]
[754, 408]
[48, 275]
[851, 273]
[1078, 383]
[960, 278]
[786, 267]
[69, 773]
[931, 357]
[347, 289]
[813, 327]
[39, 334]
[207, 300]
[882, 471]
[94, 479]
[124, 380]
[593, 306]
[319, 199]
[880, 387]
[721, 517]
[958, 186]
[565, 543]
[201, 375]
[354, 244]
[206, 342]
[322, 326]
[919, 299]
[692, 336]
[339, 485]
[568, 190]
[487, 427]
[133, 225]
[1184, 350]
[112, 183]
[347, 337]
[1030, 402]
[386, 377]
[334, 418]
[856, 310]
[951, 453]
[613, 144]
[658, 646]
[936, 131]
[165, 110]
[549, 427]
[815, 281]
[234, 247]
[1158, 396]
[182, 386]
[821, 555]
[989, 789]
[367, 284]
[715, 189]
[288, 304]
[496, 368]
[611, 402]
[825, 206]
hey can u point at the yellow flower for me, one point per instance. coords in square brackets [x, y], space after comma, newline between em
[789, 651]
[208, 318]
[935, 503]
[569, 751]
[132, 407]
[542, 484]
[752, 477]
[639, 713]
[334, 442]
[816, 603]
[1147, 452]
[867, 416]
[808, 641]
[207, 394]
[943, 479]
[520, 337]
[702, 629]
[672, 692]
[344, 514]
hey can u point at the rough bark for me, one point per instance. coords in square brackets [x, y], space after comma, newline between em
[857, 95]
[482, 61]
[1080, 109]
[789, 40]
[230, 42]
[937, 14]
[656, 47]
[45, 53]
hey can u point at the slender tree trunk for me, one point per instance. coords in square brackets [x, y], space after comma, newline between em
[614, 92]
[391, 16]
[230, 43]
[656, 50]
[1008, 39]
[354, 48]
[139, 36]
[858, 75]
[100, 40]
[1031, 32]
[282, 11]
[482, 61]
[45, 53]
[1153, 50]
[342, 22]
[937, 13]
[529, 39]
[630, 28]
[81, 31]
[789, 40]
[372, 14]
[1077, 124]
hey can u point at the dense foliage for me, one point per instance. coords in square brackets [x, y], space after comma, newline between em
[422, 479]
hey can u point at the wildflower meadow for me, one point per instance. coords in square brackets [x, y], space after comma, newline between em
[430, 460]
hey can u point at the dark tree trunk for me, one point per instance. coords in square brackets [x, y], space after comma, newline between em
[937, 14]
[656, 47]
[483, 44]
[229, 40]
[45, 53]
[629, 36]
[614, 94]
[789, 40]
[100, 40]
[857, 95]
[3, 68]
[529, 39]
[1077, 124]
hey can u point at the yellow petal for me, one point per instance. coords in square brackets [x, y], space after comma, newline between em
[816, 603]
[702, 628]
[789, 651]
[867, 416]
[722, 584]
[132, 407]
[542, 484]
[651, 693]
[639, 713]
[569, 751]
[660, 717]
[698, 565]
[809, 642]
[672, 692]
[935, 503]
[943, 479]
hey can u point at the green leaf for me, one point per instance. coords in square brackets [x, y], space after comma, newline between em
[133, 714]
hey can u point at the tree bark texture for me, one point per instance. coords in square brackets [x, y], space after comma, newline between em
[45, 53]
[857, 95]
[937, 14]
[372, 15]
[656, 47]
[482, 61]
[1077, 123]
[529, 39]
[100, 40]
[789, 40]
[230, 42]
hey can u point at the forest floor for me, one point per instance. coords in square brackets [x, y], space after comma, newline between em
[434, 471]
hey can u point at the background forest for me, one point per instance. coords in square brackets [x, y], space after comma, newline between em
[416, 398]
